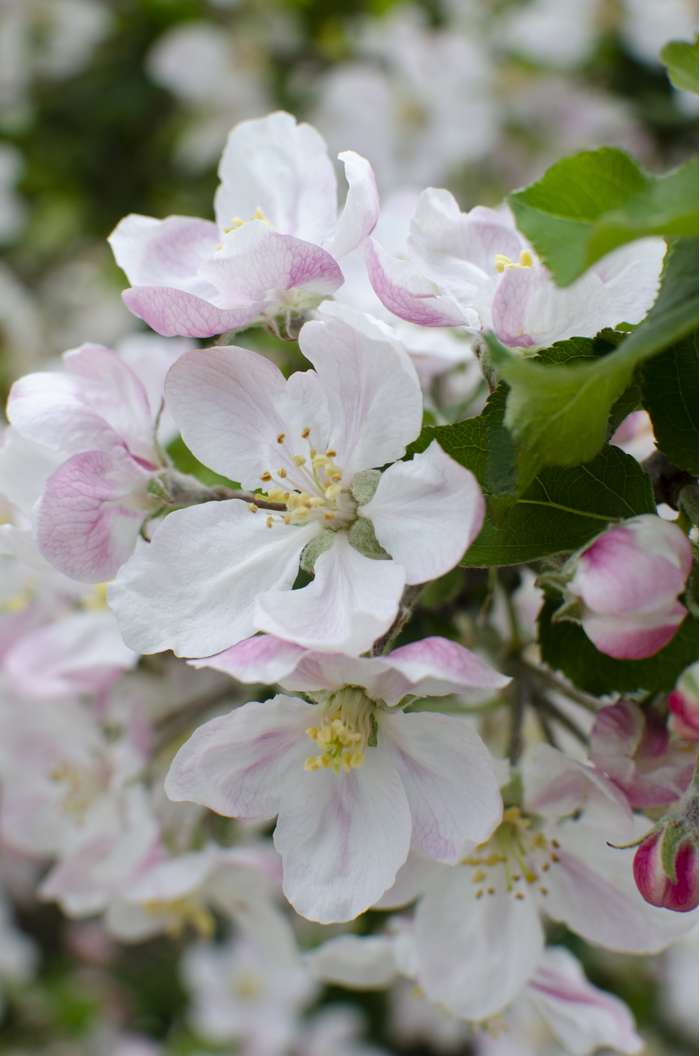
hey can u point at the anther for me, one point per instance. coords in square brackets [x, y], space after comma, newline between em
[252, 507]
[266, 475]
[479, 894]
[491, 890]
[330, 453]
[281, 438]
[282, 472]
[544, 891]
[299, 460]
[269, 522]
[519, 895]
[305, 433]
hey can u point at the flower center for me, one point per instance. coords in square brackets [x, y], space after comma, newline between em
[181, 912]
[82, 786]
[309, 486]
[343, 734]
[238, 222]
[516, 852]
[246, 986]
[524, 261]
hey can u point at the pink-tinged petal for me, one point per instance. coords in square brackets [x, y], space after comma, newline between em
[678, 893]
[241, 764]
[351, 601]
[634, 638]
[361, 210]
[592, 890]
[281, 167]
[363, 372]
[556, 786]
[512, 305]
[81, 653]
[634, 750]
[273, 272]
[475, 952]
[263, 658]
[448, 779]
[222, 400]
[91, 512]
[636, 567]
[165, 253]
[581, 1016]
[175, 313]
[315, 671]
[343, 838]
[410, 295]
[359, 963]
[426, 513]
[433, 667]
[193, 588]
[96, 402]
[683, 705]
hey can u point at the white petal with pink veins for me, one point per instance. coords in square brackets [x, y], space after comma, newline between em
[262, 658]
[448, 778]
[475, 953]
[164, 253]
[176, 313]
[343, 838]
[243, 764]
[351, 601]
[411, 295]
[426, 512]
[90, 514]
[193, 588]
[434, 667]
[364, 374]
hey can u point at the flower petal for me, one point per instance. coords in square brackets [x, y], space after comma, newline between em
[193, 588]
[176, 313]
[351, 601]
[475, 953]
[343, 838]
[433, 667]
[448, 779]
[91, 512]
[360, 963]
[240, 764]
[362, 376]
[222, 400]
[409, 294]
[634, 637]
[426, 513]
[361, 210]
[262, 658]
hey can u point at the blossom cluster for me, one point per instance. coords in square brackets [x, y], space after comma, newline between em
[293, 551]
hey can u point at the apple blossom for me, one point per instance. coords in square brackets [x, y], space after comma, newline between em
[215, 573]
[683, 705]
[475, 270]
[273, 251]
[624, 586]
[354, 783]
[673, 886]
[479, 935]
[99, 419]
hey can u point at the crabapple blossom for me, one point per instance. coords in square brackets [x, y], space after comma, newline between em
[683, 705]
[215, 573]
[673, 887]
[476, 270]
[634, 750]
[274, 249]
[624, 586]
[98, 419]
[478, 931]
[354, 781]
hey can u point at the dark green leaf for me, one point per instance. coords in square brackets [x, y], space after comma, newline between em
[670, 387]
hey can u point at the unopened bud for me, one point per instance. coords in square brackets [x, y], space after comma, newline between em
[683, 705]
[666, 869]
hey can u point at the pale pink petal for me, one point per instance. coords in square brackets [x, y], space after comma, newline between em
[581, 1016]
[222, 400]
[96, 402]
[634, 638]
[193, 588]
[432, 667]
[361, 210]
[410, 295]
[448, 778]
[91, 512]
[343, 838]
[363, 373]
[176, 313]
[350, 603]
[461, 241]
[240, 764]
[163, 253]
[426, 513]
[475, 953]
[556, 786]
[282, 168]
[80, 653]
[592, 890]
[263, 658]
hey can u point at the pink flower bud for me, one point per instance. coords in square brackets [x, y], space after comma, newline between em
[666, 870]
[683, 705]
[627, 583]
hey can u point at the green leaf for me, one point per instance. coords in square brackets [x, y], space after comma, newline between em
[587, 205]
[562, 509]
[559, 414]
[669, 390]
[566, 648]
[681, 58]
